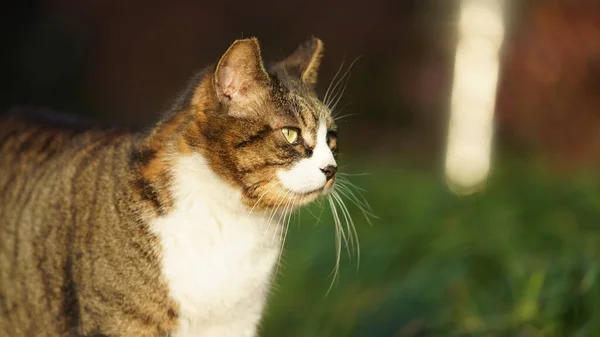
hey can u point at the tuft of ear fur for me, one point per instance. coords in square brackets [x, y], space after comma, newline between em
[302, 63]
[240, 72]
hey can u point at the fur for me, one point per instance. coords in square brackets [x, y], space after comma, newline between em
[173, 231]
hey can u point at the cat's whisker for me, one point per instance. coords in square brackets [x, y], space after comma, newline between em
[346, 190]
[338, 224]
[341, 94]
[334, 92]
[352, 233]
[345, 236]
[353, 174]
[336, 118]
[282, 216]
[318, 218]
[335, 114]
[348, 221]
[272, 212]
[338, 90]
[327, 93]
[357, 198]
[287, 227]
[278, 202]
[338, 242]
[298, 219]
[345, 180]
[270, 187]
[283, 219]
[280, 210]
[332, 95]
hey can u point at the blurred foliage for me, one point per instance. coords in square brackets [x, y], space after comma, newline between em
[519, 259]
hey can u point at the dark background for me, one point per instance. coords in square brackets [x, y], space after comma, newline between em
[124, 61]
[519, 258]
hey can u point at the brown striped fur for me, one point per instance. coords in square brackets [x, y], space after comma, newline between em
[76, 255]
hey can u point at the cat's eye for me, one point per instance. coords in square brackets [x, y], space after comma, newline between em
[292, 135]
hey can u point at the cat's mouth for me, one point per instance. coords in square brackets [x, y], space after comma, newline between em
[313, 192]
[308, 196]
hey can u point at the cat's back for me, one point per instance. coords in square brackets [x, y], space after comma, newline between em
[49, 166]
[34, 140]
[27, 133]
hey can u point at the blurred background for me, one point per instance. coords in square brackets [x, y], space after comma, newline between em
[519, 258]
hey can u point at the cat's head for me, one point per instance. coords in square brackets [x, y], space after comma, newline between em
[264, 130]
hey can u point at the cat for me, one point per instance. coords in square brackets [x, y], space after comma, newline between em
[171, 231]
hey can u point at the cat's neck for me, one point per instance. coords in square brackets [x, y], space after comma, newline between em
[154, 161]
[196, 190]
[193, 177]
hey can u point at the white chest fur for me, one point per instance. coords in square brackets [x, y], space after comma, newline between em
[217, 259]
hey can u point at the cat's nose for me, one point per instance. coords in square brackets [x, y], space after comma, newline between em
[329, 171]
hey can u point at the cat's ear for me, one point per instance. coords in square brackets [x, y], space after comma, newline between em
[240, 73]
[302, 63]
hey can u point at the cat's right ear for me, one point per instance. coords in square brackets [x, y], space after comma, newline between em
[302, 64]
[240, 74]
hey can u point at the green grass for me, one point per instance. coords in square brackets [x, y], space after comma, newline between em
[520, 259]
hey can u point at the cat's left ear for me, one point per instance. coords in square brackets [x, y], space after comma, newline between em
[303, 63]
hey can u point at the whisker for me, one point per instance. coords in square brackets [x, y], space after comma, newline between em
[352, 233]
[345, 237]
[358, 200]
[283, 225]
[338, 112]
[314, 216]
[342, 91]
[298, 218]
[275, 210]
[325, 98]
[348, 182]
[338, 243]
[320, 203]
[271, 185]
[344, 189]
[337, 90]
[354, 174]
[336, 199]
[284, 218]
[287, 227]
[283, 215]
[336, 118]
